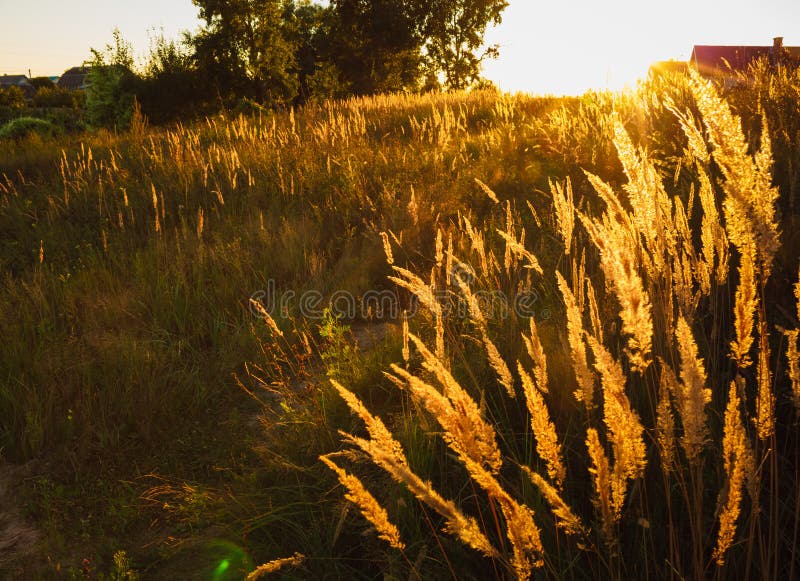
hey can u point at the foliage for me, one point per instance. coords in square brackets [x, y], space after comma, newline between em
[294, 51]
[310, 27]
[67, 120]
[376, 45]
[380, 45]
[24, 126]
[110, 94]
[42, 83]
[13, 97]
[453, 31]
[246, 49]
[55, 97]
[170, 87]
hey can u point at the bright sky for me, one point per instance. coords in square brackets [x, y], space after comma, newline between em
[50, 36]
[552, 46]
[569, 46]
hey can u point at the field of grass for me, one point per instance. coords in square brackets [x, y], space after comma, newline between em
[587, 366]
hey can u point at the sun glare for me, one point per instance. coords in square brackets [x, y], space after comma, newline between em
[567, 48]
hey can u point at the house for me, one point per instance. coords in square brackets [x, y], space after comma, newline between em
[74, 79]
[722, 60]
[20, 81]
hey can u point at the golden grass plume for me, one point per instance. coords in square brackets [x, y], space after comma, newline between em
[367, 504]
[274, 566]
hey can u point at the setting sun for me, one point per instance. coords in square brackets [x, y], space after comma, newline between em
[569, 47]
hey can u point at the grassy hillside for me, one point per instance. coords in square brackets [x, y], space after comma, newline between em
[584, 280]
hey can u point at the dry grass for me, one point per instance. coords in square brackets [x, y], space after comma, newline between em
[663, 267]
[635, 236]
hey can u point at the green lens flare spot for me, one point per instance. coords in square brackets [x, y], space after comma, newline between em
[221, 568]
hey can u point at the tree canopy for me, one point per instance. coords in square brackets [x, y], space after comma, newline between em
[278, 53]
[454, 32]
[246, 48]
[279, 50]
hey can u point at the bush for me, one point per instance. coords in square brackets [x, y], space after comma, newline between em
[247, 106]
[170, 87]
[7, 114]
[42, 83]
[55, 97]
[66, 120]
[12, 97]
[24, 126]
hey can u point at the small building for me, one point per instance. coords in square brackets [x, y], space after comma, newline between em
[20, 81]
[74, 79]
[722, 60]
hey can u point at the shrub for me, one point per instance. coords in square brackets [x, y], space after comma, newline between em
[24, 126]
[66, 120]
[42, 83]
[12, 97]
[55, 97]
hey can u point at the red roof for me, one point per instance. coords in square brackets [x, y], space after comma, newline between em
[710, 59]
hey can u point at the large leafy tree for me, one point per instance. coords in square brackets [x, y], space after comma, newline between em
[245, 48]
[376, 45]
[281, 51]
[309, 27]
[387, 45]
[454, 31]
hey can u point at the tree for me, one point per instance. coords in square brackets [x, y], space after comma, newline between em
[391, 45]
[170, 87]
[12, 103]
[377, 45]
[111, 80]
[288, 51]
[310, 27]
[55, 97]
[245, 49]
[453, 32]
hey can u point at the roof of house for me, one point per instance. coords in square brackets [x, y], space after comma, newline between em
[712, 58]
[74, 79]
[8, 80]
[20, 81]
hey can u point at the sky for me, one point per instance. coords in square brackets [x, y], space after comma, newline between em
[554, 47]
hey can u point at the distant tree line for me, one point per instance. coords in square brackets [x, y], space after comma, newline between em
[275, 53]
[251, 54]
